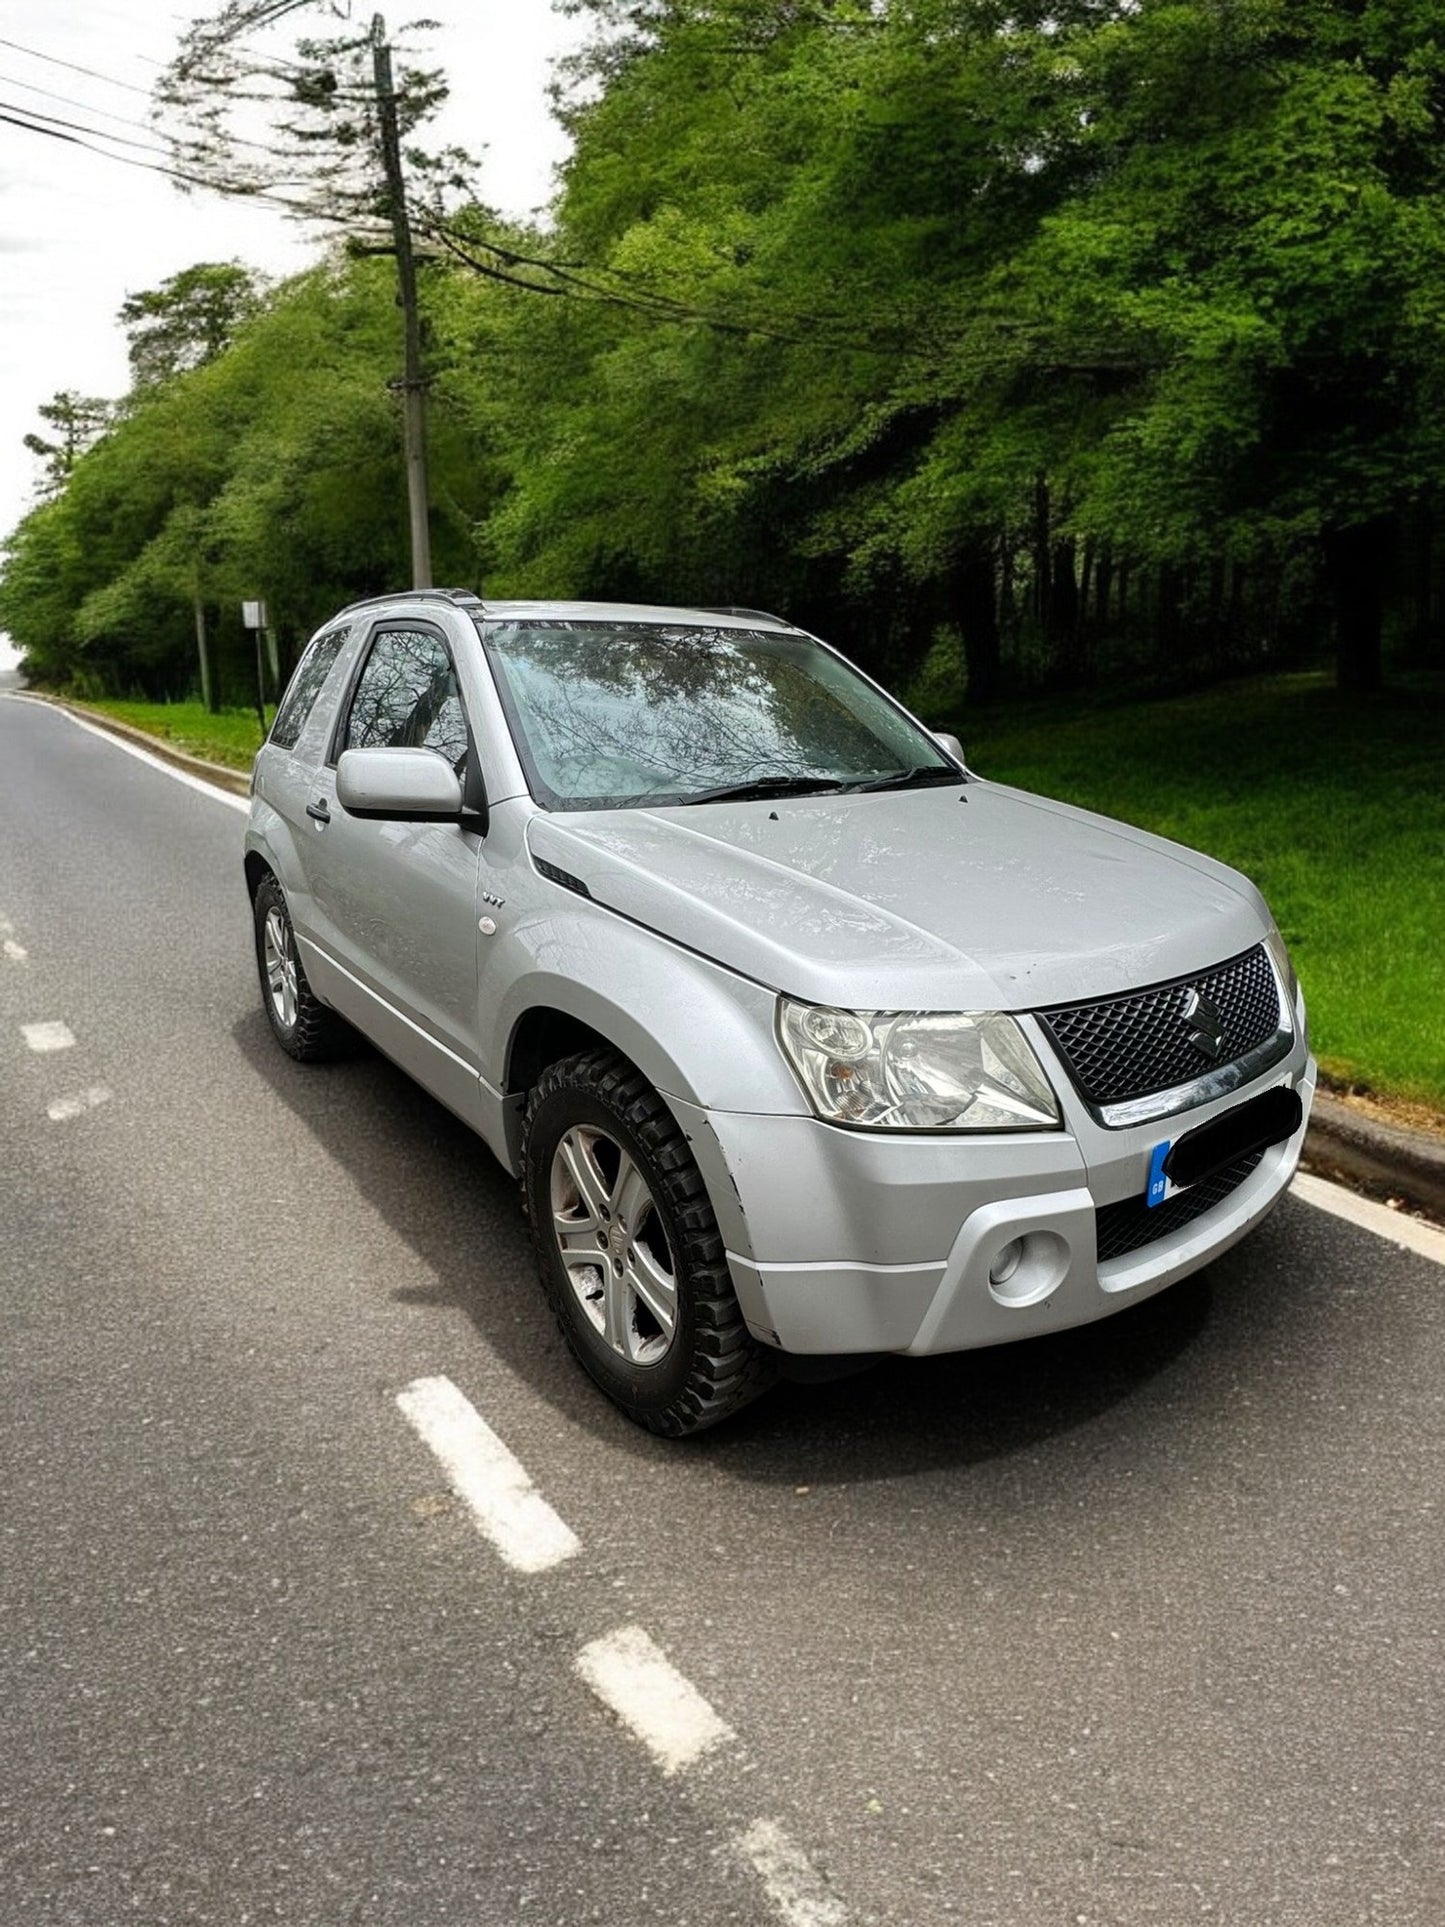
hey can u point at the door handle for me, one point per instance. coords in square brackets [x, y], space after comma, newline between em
[319, 810]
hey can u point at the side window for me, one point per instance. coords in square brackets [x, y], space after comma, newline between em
[407, 698]
[305, 686]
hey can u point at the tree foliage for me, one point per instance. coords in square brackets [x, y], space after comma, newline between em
[75, 420]
[999, 342]
[273, 470]
[188, 320]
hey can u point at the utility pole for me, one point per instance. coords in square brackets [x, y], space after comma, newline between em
[413, 383]
[209, 696]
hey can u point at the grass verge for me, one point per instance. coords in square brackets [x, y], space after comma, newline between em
[1334, 805]
[231, 736]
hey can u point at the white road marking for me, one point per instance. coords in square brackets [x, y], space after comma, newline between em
[632, 1676]
[141, 755]
[47, 1037]
[790, 1881]
[1397, 1226]
[14, 952]
[490, 1481]
[65, 1108]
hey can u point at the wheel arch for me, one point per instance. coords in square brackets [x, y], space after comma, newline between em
[694, 1032]
[545, 1033]
[723, 1031]
[256, 868]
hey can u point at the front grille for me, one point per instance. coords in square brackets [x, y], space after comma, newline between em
[1130, 1225]
[1136, 1045]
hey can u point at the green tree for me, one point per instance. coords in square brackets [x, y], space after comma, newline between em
[190, 319]
[1034, 341]
[272, 470]
[76, 421]
[1010, 303]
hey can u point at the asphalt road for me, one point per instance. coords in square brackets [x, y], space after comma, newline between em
[1139, 1625]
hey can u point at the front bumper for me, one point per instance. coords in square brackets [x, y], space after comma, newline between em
[847, 1241]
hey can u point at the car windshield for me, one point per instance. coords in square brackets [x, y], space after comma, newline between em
[611, 715]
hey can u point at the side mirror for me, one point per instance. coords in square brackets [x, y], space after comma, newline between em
[952, 745]
[415, 784]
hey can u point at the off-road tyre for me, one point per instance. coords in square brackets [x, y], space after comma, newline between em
[713, 1365]
[314, 1034]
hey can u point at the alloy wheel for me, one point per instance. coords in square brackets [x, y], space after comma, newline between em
[613, 1245]
[279, 956]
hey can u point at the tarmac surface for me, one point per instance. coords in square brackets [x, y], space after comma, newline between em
[1139, 1624]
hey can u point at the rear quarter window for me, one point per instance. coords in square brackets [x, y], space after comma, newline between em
[305, 686]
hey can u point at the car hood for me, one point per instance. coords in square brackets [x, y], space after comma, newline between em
[981, 897]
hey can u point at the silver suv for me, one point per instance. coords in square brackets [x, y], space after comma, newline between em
[801, 1036]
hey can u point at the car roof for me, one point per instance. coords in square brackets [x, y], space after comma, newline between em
[509, 610]
[627, 612]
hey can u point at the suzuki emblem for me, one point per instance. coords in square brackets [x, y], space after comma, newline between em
[1206, 1026]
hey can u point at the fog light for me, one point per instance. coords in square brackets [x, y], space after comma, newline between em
[1006, 1263]
[1028, 1269]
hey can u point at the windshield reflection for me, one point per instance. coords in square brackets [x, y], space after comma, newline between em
[611, 715]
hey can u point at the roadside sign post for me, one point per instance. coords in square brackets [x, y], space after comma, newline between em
[253, 617]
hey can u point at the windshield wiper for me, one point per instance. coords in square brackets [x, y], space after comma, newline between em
[905, 779]
[771, 786]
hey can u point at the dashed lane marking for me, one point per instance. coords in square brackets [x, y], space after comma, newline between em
[793, 1885]
[65, 1108]
[1423, 1239]
[632, 1676]
[489, 1479]
[141, 755]
[47, 1037]
[13, 952]
[627, 1670]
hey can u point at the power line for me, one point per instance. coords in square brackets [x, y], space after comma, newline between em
[206, 43]
[573, 279]
[121, 120]
[105, 113]
[570, 281]
[92, 72]
[566, 283]
[53, 120]
[68, 100]
[233, 190]
[55, 132]
[122, 140]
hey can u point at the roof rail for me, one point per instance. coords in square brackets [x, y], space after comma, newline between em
[733, 609]
[466, 598]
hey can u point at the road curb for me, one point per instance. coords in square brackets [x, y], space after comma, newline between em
[237, 781]
[1382, 1160]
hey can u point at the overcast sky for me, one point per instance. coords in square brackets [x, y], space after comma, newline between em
[79, 231]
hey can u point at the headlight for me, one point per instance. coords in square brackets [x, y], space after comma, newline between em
[1275, 944]
[917, 1070]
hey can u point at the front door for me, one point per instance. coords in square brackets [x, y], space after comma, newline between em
[395, 903]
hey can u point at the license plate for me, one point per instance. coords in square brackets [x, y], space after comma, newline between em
[1160, 1186]
[1178, 1163]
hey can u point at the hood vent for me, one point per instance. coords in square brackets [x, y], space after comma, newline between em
[564, 877]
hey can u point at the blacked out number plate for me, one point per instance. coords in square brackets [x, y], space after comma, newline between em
[1267, 1119]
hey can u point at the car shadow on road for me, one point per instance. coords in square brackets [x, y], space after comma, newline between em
[435, 1184]
[441, 1191]
[902, 1416]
